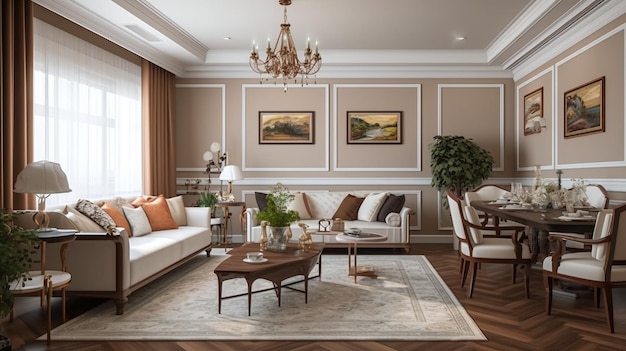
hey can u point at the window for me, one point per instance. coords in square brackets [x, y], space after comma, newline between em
[87, 115]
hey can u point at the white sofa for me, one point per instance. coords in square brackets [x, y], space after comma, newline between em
[114, 266]
[323, 205]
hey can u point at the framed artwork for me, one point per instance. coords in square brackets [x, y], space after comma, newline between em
[366, 127]
[533, 112]
[286, 127]
[584, 109]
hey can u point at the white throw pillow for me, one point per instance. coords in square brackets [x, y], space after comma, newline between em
[177, 209]
[393, 219]
[371, 205]
[300, 205]
[139, 223]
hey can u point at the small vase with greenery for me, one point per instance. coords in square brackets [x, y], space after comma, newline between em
[278, 216]
[17, 248]
[207, 199]
[458, 164]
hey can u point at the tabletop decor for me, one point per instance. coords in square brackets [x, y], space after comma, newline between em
[278, 217]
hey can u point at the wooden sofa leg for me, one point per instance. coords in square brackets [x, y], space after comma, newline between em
[208, 252]
[120, 305]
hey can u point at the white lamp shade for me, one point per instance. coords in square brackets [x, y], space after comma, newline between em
[231, 173]
[42, 177]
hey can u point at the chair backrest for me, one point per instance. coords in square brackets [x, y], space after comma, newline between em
[472, 217]
[618, 233]
[597, 196]
[485, 192]
[601, 230]
[456, 205]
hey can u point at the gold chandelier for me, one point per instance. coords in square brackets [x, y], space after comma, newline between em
[283, 62]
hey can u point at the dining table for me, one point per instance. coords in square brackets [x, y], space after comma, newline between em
[538, 222]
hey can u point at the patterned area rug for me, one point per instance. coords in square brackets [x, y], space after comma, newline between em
[408, 301]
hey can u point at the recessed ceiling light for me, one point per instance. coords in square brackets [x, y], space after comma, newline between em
[227, 38]
[460, 38]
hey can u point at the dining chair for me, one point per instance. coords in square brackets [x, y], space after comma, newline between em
[477, 248]
[597, 197]
[489, 192]
[603, 268]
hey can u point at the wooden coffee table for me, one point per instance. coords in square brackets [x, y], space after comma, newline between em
[279, 266]
[355, 270]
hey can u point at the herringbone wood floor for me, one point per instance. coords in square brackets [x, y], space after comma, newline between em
[506, 317]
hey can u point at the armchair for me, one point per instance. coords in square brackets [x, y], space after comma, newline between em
[603, 268]
[476, 248]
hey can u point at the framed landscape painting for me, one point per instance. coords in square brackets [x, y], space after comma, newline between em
[584, 109]
[533, 112]
[374, 127]
[286, 127]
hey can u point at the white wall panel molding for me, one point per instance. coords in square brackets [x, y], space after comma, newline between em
[418, 129]
[558, 121]
[441, 87]
[244, 138]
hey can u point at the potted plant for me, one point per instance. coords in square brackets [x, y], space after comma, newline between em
[17, 247]
[278, 217]
[458, 164]
[207, 199]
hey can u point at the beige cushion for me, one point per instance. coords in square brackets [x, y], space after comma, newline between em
[82, 222]
[300, 205]
[138, 221]
[393, 219]
[370, 207]
[177, 210]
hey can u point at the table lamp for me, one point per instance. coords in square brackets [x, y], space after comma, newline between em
[230, 173]
[42, 178]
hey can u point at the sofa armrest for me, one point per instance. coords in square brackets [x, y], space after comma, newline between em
[198, 216]
[405, 214]
[251, 221]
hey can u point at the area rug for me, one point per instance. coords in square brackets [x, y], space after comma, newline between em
[408, 301]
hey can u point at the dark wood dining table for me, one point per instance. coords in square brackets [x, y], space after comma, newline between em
[538, 222]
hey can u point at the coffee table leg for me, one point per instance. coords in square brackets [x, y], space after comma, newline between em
[249, 297]
[356, 266]
[219, 295]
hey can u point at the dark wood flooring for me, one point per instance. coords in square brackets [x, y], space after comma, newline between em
[506, 317]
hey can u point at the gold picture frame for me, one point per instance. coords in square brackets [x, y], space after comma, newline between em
[372, 127]
[534, 120]
[286, 127]
[584, 109]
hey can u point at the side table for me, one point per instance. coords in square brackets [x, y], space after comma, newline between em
[352, 241]
[226, 205]
[43, 282]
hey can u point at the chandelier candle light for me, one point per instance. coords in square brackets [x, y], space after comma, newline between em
[283, 62]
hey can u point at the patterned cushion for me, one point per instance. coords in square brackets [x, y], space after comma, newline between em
[96, 214]
[83, 223]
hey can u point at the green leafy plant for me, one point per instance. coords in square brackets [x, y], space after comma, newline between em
[277, 213]
[458, 164]
[207, 199]
[17, 247]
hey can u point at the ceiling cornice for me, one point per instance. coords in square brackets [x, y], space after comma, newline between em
[157, 20]
[85, 18]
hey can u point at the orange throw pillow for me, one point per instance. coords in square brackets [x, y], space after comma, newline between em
[142, 200]
[159, 215]
[118, 217]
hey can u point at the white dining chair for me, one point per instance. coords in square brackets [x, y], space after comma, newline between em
[490, 192]
[603, 268]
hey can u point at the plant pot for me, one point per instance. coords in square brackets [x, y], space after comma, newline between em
[277, 238]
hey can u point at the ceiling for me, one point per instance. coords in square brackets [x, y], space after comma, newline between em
[357, 38]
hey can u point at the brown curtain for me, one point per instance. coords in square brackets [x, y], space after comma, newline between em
[159, 133]
[17, 98]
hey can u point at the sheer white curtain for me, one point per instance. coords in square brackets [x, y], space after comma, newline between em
[87, 115]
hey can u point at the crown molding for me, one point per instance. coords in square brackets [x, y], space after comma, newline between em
[87, 19]
[157, 20]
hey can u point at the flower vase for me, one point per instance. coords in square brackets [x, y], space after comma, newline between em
[277, 238]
